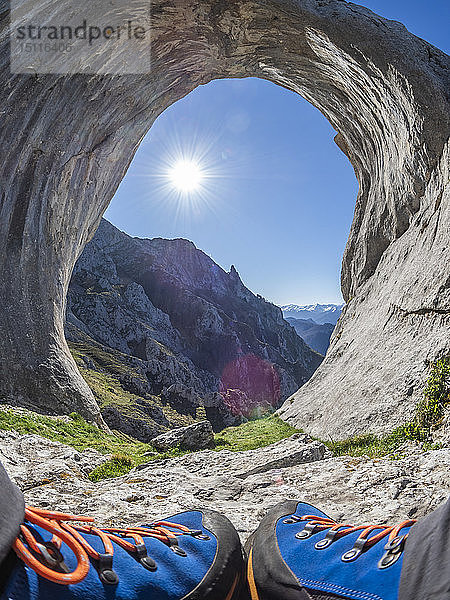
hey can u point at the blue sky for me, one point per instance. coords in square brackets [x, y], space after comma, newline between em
[277, 197]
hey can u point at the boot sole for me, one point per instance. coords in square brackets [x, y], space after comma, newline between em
[268, 576]
[228, 564]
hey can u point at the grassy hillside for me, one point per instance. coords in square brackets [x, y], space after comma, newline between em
[254, 434]
[126, 452]
[106, 372]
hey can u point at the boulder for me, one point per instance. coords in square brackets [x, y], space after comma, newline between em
[197, 436]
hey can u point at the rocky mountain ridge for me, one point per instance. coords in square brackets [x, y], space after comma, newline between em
[319, 313]
[179, 333]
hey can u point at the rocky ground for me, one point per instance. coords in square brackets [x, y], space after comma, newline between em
[242, 485]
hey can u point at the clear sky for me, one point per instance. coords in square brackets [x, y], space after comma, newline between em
[277, 196]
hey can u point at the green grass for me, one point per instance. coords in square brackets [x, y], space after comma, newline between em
[430, 411]
[79, 434]
[363, 445]
[428, 416]
[254, 434]
[128, 453]
[119, 464]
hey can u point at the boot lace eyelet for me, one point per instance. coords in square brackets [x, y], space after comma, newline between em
[109, 577]
[309, 530]
[369, 536]
[199, 535]
[322, 544]
[351, 555]
[148, 563]
[392, 552]
[105, 569]
[47, 560]
[178, 551]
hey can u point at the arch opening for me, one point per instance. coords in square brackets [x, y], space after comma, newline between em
[193, 309]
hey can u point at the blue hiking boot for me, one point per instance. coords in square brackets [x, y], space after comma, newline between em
[192, 556]
[299, 553]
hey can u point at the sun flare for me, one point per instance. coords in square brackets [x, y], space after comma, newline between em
[186, 176]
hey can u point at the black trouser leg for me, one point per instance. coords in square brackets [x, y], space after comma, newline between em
[12, 511]
[426, 563]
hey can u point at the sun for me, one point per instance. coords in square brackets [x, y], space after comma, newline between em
[186, 176]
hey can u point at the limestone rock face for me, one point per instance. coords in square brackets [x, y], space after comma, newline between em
[348, 489]
[395, 326]
[66, 143]
[197, 436]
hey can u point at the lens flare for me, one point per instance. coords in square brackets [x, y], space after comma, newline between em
[250, 386]
[190, 171]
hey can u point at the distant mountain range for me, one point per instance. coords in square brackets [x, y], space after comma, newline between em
[319, 313]
[314, 323]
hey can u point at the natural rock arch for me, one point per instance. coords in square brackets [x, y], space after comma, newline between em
[66, 143]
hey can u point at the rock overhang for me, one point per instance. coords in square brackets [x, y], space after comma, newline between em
[68, 141]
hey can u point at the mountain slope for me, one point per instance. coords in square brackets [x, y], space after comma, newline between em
[319, 313]
[316, 336]
[178, 333]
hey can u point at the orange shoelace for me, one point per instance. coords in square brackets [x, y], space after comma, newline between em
[335, 531]
[47, 561]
